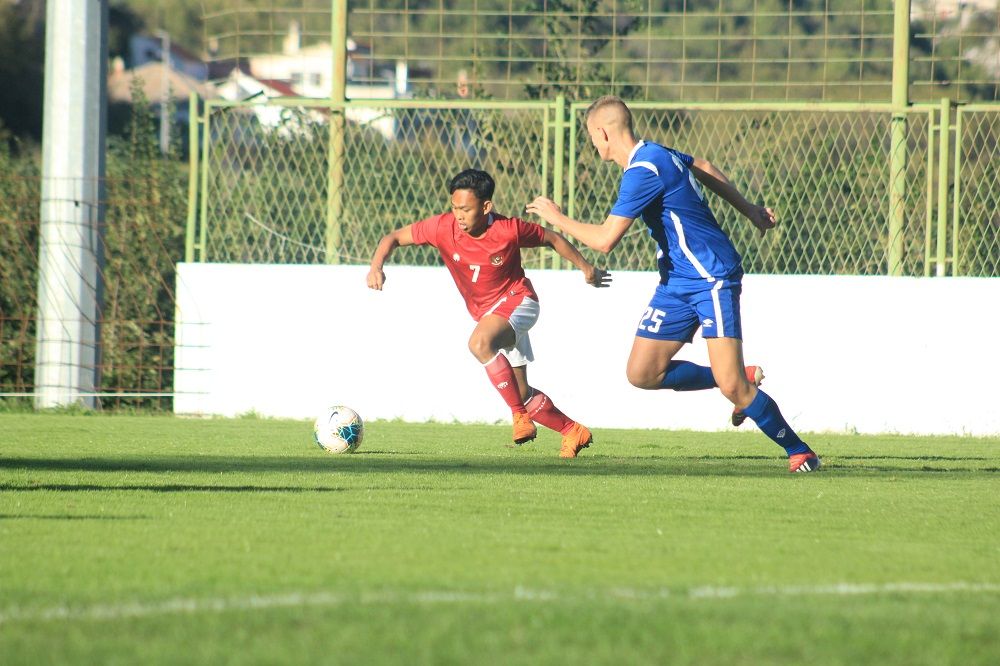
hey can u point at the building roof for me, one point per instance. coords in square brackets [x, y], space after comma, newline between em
[281, 87]
[152, 74]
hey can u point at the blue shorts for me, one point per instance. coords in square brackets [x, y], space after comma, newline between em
[676, 312]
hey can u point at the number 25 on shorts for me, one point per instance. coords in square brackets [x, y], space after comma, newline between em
[654, 319]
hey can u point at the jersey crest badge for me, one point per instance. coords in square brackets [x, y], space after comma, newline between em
[497, 260]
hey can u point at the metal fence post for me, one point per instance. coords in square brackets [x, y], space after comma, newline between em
[206, 133]
[956, 194]
[571, 165]
[942, 197]
[897, 143]
[338, 110]
[929, 193]
[559, 164]
[192, 213]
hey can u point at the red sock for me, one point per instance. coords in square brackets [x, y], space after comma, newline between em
[542, 410]
[502, 377]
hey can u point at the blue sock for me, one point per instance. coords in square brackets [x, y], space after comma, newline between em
[767, 416]
[686, 376]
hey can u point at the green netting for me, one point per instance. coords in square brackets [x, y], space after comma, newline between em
[827, 50]
[826, 171]
[978, 224]
[267, 190]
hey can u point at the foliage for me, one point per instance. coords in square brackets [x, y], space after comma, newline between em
[143, 238]
[145, 208]
[19, 206]
[22, 60]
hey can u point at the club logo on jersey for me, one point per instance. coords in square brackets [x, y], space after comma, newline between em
[455, 257]
[497, 260]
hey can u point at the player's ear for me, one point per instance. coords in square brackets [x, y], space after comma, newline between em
[487, 207]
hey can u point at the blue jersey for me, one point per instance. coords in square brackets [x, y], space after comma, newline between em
[659, 187]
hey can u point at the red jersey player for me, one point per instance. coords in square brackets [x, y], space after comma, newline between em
[482, 251]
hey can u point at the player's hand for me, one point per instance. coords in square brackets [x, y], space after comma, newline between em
[545, 208]
[763, 218]
[376, 278]
[597, 277]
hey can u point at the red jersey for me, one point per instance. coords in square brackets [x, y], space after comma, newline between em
[487, 268]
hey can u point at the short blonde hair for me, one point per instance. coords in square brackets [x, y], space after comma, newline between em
[612, 102]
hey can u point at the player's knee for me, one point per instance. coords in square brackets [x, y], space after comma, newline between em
[641, 379]
[480, 347]
[736, 392]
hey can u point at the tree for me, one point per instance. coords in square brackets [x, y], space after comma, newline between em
[22, 58]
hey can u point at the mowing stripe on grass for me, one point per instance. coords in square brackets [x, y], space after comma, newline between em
[296, 599]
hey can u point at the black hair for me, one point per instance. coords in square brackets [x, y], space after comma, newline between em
[480, 182]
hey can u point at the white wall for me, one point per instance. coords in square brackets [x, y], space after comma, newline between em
[841, 354]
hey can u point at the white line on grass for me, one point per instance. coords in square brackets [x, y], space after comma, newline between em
[190, 606]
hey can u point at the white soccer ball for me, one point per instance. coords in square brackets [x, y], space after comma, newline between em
[339, 429]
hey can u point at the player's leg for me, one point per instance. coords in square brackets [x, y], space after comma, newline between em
[725, 353]
[726, 358]
[541, 409]
[492, 334]
[719, 316]
[667, 324]
[755, 375]
[501, 330]
[650, 366]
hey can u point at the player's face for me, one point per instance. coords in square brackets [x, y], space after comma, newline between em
[598, 137]
[471, 213]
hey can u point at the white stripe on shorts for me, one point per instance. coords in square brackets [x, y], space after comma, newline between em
[720, 325]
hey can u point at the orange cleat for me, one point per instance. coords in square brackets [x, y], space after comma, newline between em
[577, 438]
[524, 428]
[804, 462]
[755, 375]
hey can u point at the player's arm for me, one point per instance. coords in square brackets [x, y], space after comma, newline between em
[601, 237]
[389, 242]
[594, 276]
[712, 177]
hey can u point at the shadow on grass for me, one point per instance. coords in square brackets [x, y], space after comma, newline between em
[28, 516]
[384, 463]
[919, 458]
[167, 488]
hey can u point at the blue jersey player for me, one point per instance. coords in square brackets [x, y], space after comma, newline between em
[700, 271]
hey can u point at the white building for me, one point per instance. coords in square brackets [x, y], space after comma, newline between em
[308, 71]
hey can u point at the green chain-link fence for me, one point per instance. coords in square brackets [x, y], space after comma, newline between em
[266, 186]
[976, 227]
[666, 50]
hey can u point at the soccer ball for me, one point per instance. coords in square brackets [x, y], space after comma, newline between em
[339, 429]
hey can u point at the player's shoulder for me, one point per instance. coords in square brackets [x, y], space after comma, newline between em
[432, 229]
[503, 221]
[439, 221]
[516, 227]
[659, 153]
[663, 160]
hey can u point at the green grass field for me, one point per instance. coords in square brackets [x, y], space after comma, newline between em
[152, 539]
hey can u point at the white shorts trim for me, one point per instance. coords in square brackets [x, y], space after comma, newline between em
[522, 319]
